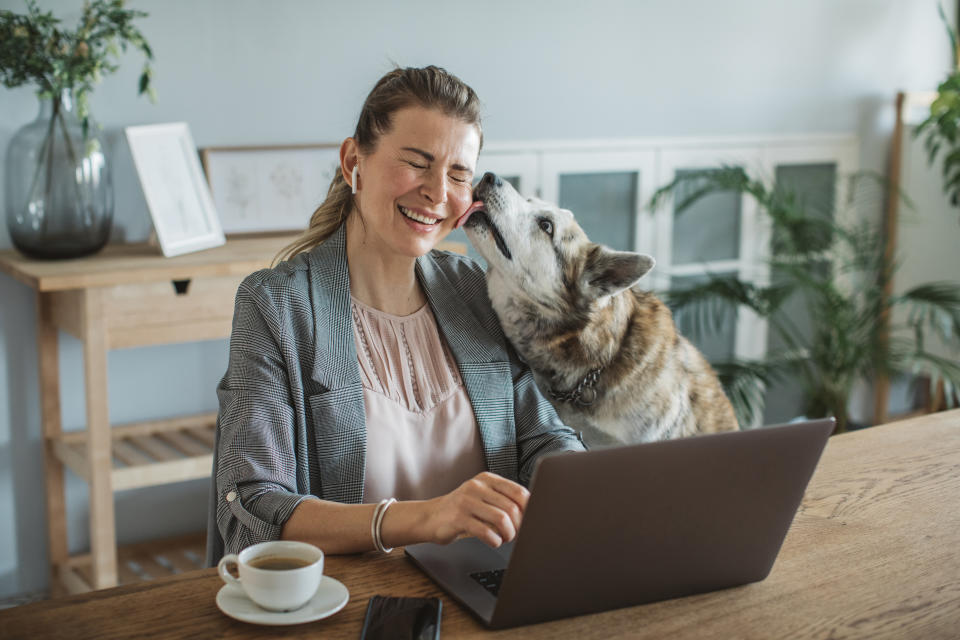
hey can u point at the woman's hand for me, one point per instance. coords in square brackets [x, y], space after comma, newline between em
[486, 506]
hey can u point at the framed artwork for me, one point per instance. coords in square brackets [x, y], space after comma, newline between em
[184, 217]
[273, 188]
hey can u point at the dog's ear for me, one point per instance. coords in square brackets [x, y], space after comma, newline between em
[607, 272]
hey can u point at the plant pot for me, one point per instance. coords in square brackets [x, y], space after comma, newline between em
[59, 192]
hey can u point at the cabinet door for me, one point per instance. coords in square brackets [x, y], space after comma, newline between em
[605, 190]
[717, 235]
[817, 176]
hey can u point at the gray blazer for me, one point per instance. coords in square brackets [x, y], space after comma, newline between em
[291, 423]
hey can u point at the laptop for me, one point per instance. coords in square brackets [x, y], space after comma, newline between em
[617, 527]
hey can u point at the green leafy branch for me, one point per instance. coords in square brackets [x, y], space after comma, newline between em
[35, 49]
[942, 127]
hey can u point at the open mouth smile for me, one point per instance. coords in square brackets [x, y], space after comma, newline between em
[416, 217]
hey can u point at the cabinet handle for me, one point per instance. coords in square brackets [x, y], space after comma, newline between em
[181, 286]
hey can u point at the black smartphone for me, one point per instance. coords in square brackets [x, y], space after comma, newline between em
[402, 618]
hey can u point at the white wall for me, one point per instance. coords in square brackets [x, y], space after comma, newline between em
[253, 72]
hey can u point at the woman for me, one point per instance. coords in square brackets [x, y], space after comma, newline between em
[368, 367]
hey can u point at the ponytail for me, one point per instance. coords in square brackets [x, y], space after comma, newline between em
[327, 218]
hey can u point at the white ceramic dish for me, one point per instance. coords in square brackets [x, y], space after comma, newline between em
[331, 596]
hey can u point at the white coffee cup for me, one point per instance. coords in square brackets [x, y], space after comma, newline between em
[280, 575]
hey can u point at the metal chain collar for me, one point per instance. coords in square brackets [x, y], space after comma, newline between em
[583, 394]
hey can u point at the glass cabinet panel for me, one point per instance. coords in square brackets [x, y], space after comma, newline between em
[709, 229]
[605, 205]
[814, 186]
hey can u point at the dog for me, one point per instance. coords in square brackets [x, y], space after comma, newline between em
[605, 352]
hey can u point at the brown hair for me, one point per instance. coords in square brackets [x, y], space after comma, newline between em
[430, 87]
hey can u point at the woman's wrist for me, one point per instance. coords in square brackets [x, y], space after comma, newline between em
[405, 523]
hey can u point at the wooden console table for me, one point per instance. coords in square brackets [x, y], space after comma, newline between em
[125, 296]
[129, 296]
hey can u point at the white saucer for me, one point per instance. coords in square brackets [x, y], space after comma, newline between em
[331, 596]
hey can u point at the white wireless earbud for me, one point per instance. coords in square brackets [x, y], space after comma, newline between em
[353, 178]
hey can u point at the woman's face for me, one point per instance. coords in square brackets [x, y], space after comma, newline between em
[417, 182]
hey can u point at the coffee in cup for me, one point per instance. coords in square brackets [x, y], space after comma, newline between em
[280, 575]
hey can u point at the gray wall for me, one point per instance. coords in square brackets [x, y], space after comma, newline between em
[247, 72]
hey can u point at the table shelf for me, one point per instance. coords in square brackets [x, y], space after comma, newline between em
[125, 296]
[140, 562]
[147, 454]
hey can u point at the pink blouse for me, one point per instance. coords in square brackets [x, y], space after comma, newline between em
[422, 437]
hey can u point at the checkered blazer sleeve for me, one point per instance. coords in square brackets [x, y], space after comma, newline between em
[256, 469]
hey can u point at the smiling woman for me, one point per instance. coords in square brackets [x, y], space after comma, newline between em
[423, 168]
[368, 368]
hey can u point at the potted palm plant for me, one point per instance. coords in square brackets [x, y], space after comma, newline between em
[838, 271]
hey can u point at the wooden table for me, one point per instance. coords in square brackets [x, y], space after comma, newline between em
[874, 552]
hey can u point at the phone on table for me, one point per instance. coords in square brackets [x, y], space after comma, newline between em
[393, 618]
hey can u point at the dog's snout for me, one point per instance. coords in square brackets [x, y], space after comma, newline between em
[491, 179]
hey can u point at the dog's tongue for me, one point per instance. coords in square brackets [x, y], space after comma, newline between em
[476, 206]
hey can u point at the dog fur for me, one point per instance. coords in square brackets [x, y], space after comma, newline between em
[570, 306]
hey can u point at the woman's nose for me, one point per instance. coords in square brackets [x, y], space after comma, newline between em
[434, 187]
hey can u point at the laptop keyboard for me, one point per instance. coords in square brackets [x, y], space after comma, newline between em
[489, 580]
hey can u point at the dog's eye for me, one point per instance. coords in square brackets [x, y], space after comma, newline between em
[546, 226]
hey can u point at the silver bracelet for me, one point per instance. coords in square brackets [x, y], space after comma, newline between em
[377, 523]
[373, 523]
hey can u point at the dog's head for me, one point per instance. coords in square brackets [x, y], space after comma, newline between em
[538, 251]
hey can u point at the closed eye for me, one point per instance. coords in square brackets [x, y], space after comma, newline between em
[416, 166]
[546, 226]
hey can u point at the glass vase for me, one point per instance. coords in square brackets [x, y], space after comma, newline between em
[59, 193]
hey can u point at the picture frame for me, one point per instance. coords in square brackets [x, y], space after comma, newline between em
[266, 189]
[183, 213]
